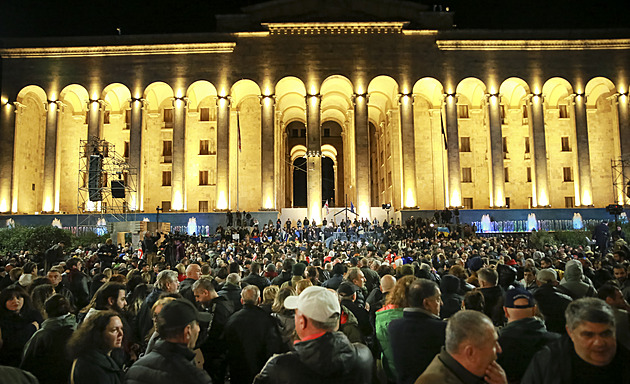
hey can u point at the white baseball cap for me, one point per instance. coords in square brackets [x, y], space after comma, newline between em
[317, 303]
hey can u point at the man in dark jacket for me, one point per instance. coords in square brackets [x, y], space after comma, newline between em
[590, 353]
[451, 299]
[419, 335]
[523, 336]
[254, 278]
[193, 273]
[551, 302]
[323, 355]
[78, 283]
[252, 337]
[285, 275]
[231, 290]
[337, 277]
[492, 294]
[214, 347]
[170, 361]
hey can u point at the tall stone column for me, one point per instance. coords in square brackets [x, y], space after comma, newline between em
[267, 151]
[50, 157]
[7, 132]
[314, 158]
[407, 137]
[135, 153]
[223, 152]
[362, 154]
[496, 149]
[583, 152]
[94, 118]
[539, 147]
[452, 154]
[178, 178]
[623, 118]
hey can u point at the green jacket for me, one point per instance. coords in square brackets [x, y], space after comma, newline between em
[384, 316]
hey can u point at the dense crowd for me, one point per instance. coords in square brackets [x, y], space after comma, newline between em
[358, 302]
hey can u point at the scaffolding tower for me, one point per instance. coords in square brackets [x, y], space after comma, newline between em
[621, 180]
[107, 183]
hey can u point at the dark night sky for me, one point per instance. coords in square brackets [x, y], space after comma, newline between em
[28, 18]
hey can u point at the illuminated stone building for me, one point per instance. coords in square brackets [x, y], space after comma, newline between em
[384, 98]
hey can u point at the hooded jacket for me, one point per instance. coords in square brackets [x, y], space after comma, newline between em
[573, 281]
[449, 285]
[330, 358]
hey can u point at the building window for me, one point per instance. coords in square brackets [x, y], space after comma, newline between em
[166, 178]
[303, 132]
[389, 178]
[525, 113]
[166, 206]
[567, 174]
[167, 148]
[563, 111]
[106, 116]
[462, 111]
[204, 147]
[203, 177]
[530, 202]
[204, 114]
[566, 147]
[529, 174]
[503, 118]
[203, 206]
[126, 150]
[506, 174]
[168, 117]
[507, 202]
[464, 145]
[466, 175]
[569, 202]
[128, 119]
[527, 145]
[326, 132]
[468, 202]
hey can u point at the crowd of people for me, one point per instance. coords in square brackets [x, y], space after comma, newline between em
[286, 303]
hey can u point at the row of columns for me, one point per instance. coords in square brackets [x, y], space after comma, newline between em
[8, 196]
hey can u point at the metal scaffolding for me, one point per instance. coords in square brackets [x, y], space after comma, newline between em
[106, 182]
[621, 180]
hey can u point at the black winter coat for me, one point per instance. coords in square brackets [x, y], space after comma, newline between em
[415, 340]
[167, 363]
[96, 368]
[252, 337]
[552, 305]
[329, 359]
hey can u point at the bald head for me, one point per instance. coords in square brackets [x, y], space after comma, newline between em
[193, 271]
[250, 295]
[387, 283]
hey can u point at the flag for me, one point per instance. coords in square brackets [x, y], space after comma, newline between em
[443, 133]
[238, 128]
[326, 208]
[351, 207]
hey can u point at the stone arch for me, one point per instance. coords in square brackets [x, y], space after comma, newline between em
[556, 91]
[513, 92]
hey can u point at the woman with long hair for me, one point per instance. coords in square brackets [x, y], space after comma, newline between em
[18, 322]
[91, 346]
[284, 316]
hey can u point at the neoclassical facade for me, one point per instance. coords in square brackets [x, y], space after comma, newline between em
[277, 110]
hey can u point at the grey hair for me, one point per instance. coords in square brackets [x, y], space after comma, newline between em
[330, 325]
[203, 283]
[233, 278]
[466, 325]
[250, 294]
[165, 277]
[546, 275]
[589, 309]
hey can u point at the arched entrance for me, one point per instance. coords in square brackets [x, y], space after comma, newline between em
[328, 181]
[299, 182]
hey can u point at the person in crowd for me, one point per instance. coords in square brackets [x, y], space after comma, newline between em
[418, 336]
[396, 302]
[377, 301]
[573, 284]
[551, 302]
[252, 337]
[39, 295]
[269, 296]
[524, 334]
[78, 282]
[285, 275]
[45, 354]
[54, 275]
[590, 354]
[337, 277]
[90, 347]
[529, 278]
[285, 318]
[492, 295]
[149, 247]
[110, 296]
[451, 299]
[170, 360]
[469, 353]
[166, 282]
[193, 273]
[612, 296]
[255, 277]
[322, 354]
[214, 347]
[18, 322]
[348, 293]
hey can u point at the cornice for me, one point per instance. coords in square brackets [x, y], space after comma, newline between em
[532, 45]
[117, 50]
[336, 28]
